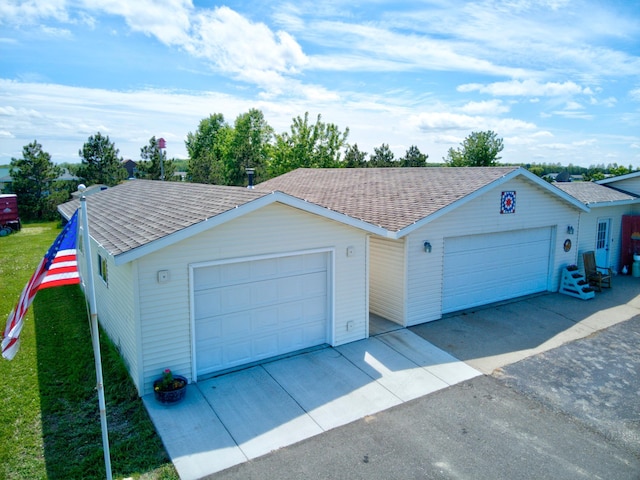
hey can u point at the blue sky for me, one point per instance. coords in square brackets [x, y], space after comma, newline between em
[558, 80]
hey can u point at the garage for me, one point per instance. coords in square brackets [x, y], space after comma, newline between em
[251, 310]
[482, 269]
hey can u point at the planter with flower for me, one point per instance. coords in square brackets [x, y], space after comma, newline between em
[170, 388]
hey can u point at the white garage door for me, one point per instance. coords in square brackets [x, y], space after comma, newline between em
[481, 269]
[253, 310]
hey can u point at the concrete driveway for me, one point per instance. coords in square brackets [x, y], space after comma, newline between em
[493, 336]
[566, 413]
[236, 417]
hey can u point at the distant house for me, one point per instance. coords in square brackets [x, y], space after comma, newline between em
[131, 167]
[5, 178]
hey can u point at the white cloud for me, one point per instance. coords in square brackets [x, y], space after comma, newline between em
[435, 121]
[167, 20]
[488, 107]
[56, 32]
[574, 106]
[32, 11]
[250, 51]
[526, 88]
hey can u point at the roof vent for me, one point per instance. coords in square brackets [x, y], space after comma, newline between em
[250, 173]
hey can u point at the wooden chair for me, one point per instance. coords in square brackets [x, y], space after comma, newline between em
[597, 277]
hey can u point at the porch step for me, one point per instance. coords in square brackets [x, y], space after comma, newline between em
[574, 284]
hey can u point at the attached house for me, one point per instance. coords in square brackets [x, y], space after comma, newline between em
[600, 228]
[630, 241]
[456, 237]
[203, 278]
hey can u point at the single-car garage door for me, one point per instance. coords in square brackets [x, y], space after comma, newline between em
[247, 311]
[481, 269]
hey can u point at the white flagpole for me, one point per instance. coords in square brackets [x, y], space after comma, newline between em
[95, 339]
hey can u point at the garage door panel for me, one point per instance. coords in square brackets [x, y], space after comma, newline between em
[481, 269]
[271, 307]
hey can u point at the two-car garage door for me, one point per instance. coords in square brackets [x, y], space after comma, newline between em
[245, 311]
[481, 269]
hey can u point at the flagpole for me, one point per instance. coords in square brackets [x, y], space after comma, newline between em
[95, 339]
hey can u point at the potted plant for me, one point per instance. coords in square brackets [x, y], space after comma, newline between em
[170, 388]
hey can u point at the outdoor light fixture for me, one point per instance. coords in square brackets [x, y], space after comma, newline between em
[570, 229]
[427, 247]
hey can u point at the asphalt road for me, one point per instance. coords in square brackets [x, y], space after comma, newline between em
[569, 413]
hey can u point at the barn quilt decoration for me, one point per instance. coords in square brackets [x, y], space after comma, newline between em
[508, 202]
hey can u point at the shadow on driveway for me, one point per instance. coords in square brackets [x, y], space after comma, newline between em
[493, 336]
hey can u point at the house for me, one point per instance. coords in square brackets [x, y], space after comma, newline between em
[5, 178]
[629, 182]
[600, 228]
[130, 166]
[630, 241]
[456, 237]
[202, 278]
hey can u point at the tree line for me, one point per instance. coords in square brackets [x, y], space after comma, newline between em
[220, 152]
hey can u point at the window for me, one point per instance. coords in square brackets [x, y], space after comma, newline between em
[102, 268]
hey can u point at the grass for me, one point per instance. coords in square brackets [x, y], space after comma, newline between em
[49, 416]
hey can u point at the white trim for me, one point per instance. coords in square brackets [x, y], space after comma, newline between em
[616, 203]
[553, 234]
[608, 220]
[617, 178]
[137, 326]
[330, 333]
[367, 267]
[238, 211]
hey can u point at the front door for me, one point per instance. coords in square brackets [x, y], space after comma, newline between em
[602, 242]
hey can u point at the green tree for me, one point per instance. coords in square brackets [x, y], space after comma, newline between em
[250, 146]
[100, 162]
[33, 177]
[207, 147]
[536, 170]
[414, 158]
[382, 156]
[154, 164]
[316, 145]
[354, 157]
[480, 149]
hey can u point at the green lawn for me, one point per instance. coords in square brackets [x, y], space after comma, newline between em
[49, 417]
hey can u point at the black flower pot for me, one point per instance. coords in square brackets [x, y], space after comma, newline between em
[170, 397]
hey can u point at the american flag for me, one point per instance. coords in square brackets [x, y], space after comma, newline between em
[58, 267]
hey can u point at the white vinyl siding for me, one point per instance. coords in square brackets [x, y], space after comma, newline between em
[386, 274]
[115, 304]
[631, 185]
[165, 313]
[535, 208]
[588, 228]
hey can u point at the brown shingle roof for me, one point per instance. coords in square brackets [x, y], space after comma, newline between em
[393, 198]
[137, 212]
[590, 193]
